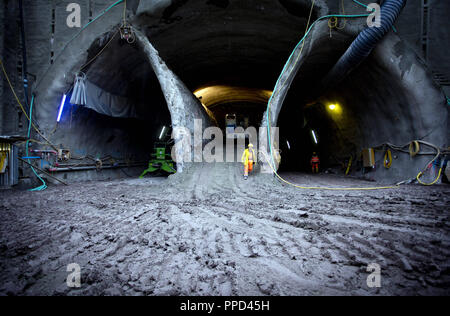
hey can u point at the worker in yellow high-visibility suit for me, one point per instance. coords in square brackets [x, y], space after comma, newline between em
[248, 159]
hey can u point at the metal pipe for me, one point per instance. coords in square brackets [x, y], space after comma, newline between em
[44, 151]
[68, 169]
[46, 173]
[364, 43]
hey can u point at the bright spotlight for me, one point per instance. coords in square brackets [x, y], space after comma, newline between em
[61, 108]
[332, 107]
[162, 132]
[314, 136]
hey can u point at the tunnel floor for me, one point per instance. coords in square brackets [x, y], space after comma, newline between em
[216, 234]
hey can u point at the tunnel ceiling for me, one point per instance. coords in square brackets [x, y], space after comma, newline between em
[119, 66]
[237, 43]
[215, 95]
[244, 43]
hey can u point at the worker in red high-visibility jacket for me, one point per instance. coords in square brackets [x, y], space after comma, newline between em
[315, 161]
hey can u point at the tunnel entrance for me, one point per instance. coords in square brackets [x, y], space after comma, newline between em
[314, 127]
[245, 106]
[231, 71]
[125, 113]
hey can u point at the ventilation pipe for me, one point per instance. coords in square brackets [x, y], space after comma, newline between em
[364, 43]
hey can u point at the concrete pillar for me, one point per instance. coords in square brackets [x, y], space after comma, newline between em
[288, 74]
[184, 107]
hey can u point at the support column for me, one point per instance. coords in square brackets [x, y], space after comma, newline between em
[184, 107]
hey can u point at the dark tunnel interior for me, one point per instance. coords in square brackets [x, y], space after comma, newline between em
[124, 71]
[232, 65]
[240, 51]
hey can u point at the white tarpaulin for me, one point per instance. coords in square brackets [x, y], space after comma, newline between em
[89, 95]
[79, 90]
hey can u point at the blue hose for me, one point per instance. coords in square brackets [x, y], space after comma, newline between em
[44, 185]
[365, 42]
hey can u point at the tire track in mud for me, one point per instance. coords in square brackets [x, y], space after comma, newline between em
[211, 235]
[363, 252]
[240, 241]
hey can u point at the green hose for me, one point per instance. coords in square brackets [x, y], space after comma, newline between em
[44, 185]
[95, 19]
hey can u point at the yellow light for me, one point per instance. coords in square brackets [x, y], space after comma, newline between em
[222, 94]
[334, 110]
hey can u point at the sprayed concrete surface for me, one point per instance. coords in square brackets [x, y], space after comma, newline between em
[215, 234]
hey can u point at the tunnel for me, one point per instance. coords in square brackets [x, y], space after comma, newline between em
[232, 54]
[130, 128]
[108, 111]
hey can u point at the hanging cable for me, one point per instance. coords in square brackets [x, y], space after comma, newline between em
[21, 106]
[100, 52]
[349, 165]
[126, 30]
[325, 188]
[333, 22]
[76, 35]
[343, 13]
[290, 59]
[438, 154]
[431, 183]
[387, 162]
[414, 148]
[44, 185]
[125, 11]
[271, 161]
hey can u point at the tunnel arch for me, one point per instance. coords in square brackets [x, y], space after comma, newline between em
[58, 80]
[91, 132]
[240, 44]
[378, 103]
[243, 44]
[113, 73]
[82, 131]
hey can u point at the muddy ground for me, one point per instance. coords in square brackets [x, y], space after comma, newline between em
[215, 234]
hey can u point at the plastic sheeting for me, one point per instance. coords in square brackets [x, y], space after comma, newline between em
[79, 90]
[91, 96]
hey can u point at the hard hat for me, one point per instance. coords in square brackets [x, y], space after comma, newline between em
[250, 145]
